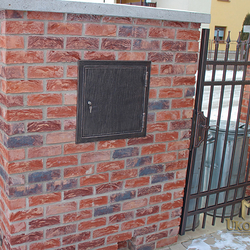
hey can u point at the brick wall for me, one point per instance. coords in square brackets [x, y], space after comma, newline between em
[104, 195]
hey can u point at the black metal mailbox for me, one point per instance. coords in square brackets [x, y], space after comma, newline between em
[112, 100]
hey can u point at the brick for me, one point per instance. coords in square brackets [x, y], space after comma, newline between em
[64, 28]
[181, 174]
[186, 58]
[151, 170]
[160, 81]
[166, 241]
[80, 192]
[191, 69]
[116, 44]
[83, 18]
[147, 211]
[119, 237]
[45, 71]
[13, 57]
[70, 99]
[60, 137]
[24, 114]
[127, 152]
[130, 31]
[111, 144]
[161, 104]
[176, 165]
[109, 187]
[61, 185]
[111, 19]
[12, 128]
[150, 246]
[169, 69]
[188, 35]
[69, 124]
[105, 231]
[11, 14]
[152, 22]
[21, 141]
[12, 42]
[61, 208]
[176, 125]
[44, 222]
[133, 224]
[127, 56]
[158, 217]
[61, 161]
[195, 25]
[168, 115]
[143, 181]
[91, 244]
[44, 199]
[145, 230]
[178, 145]
[78, 171]
[122, 196]
[61, 112]
[45, 42]
[23, 27]
[172, 205]
[44, 126]
[193, 46]
[157, 127]
[107, 210]
[149, 190]
[63, 56]
[177, 212]
[24, 238]
[13, 204]
[168, 136]
[21, 167]
[160, 57]
[123, 174]
[44, 99]
[160, 198]
[169, 224]
[26, 214]
[95, 157]
[160, 158]
[183, 154]
[184, 81]
[162, 33]
[46, 245]
[152, 93]
[170, 93]
[137, 162]
[44, 176]
[76, 238]
[109, 166]
[140, 44]
[85, 225]
[162, 177]
[12, 72]
[100, 29]
[82, 43]
[22, 86]
[174, 46]
[94, 179]
[121, 217]
[91, 202]
[78, 148]
[81, 215]
[99, 55]
[135, 204]
[37, 15]
[61, 85]
[58, 231]
[175, 24]
[152, 149]
[20, 191]
[157, 236]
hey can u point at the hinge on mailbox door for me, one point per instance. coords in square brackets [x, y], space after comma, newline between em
[146, 79]
[143, 120]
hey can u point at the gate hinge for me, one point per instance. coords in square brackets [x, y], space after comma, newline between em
[143, 120]
[146, 79]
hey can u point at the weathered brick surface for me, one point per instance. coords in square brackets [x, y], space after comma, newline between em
[107, 195]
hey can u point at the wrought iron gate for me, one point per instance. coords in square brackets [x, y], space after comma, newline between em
[218, 169]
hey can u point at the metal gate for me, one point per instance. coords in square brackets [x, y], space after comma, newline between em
[218, 168]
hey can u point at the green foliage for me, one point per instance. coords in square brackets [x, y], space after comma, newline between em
[244, 36]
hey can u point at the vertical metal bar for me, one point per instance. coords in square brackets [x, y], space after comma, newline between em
[197, 106]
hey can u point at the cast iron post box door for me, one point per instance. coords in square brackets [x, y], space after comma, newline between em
[112, 99]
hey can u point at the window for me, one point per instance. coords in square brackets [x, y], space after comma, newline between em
[222, 32]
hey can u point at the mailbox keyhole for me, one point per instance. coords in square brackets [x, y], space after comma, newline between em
[90, 106]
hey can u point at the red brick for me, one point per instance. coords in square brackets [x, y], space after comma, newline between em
[111, 19]
[172, 205]
[78, 171]
[44, 99]
[70, 99]
[15, 87]
[61, 112]
[110, 166]
[23, 114]
[128, 56]
[160, 57]
[195, 25]
[58, 231]
[193, 46]
[152, 93]
[174, 185]
[181, 174]
[178, 145]
[13, 204]
[174, 45]
[63, 56]
[166, 241]
[147, 211]
[82, 43]
[111, 144]
[100, 29]
[169, 69]
[116, 44]
[97, 201]
[169, 224]
[81, 215]
[133, 224]
[78, 148]
[45, 71]
[62, 161]
[44, 15]
[109, 187]
[14, 155]
[69, 124]
[141, 140]
[44, 151]
[154, 69]
[60, 137]
[41, 42]
[152, 22]
[168, 115]
[168, 136]
[124, 174]
[17, 227]
[137, 182]
[26, 214]
[184, 81]
[61, 85]
[175, 24]
[113, 247]
[135, 204]
[176, 165]
[76, 193]
[83, 18]
[12, 57]
[46, 245]
[91, 244]
[178, 194]
[70, 239]
[156, 199]
[65, 28]
[160, 81]
[61, 208]
[162, 33]
[12, 72]
[49, 221]
[72, 71]
[44, 199]
[156, 218]
[121, 217]
[105, 231]
[44, 126]
[23, 27]
[160, 158]
[94, 179]
[170, 93]
[99, 55]
[95, 157]
[161, 126]
[183, 124]
[186, 58]
[188, 35]
[12, 42]
[191, 69]
[152, 149]
[24, 238]
[183, 154]
[85, 225]
[140, 44]
[21, 167]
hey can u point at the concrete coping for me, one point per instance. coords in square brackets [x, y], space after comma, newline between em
[105, 9]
